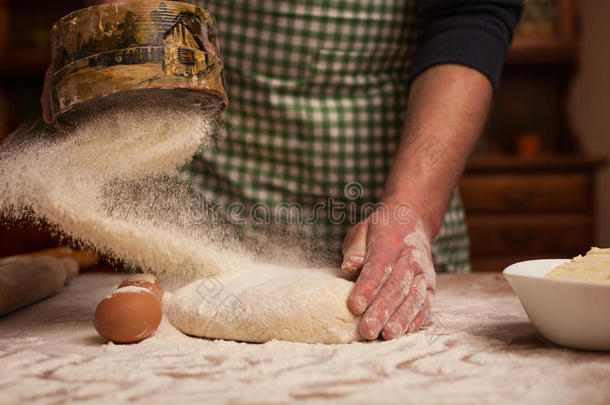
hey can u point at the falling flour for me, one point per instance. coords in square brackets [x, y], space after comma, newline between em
[111, 182]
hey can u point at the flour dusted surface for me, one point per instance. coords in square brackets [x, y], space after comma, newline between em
[478, 348]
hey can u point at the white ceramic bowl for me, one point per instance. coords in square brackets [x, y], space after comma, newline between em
[570, 313]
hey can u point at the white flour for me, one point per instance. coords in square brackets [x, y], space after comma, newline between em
[127, 289]
[109, 184]
[478, 348]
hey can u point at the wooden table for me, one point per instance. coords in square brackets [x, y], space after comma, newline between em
[478, 348]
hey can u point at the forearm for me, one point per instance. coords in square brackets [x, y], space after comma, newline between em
[447, 109]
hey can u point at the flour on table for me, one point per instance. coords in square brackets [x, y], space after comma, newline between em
[265, 303]
[478, 347]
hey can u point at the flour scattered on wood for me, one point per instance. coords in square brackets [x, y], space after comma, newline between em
[51, 354]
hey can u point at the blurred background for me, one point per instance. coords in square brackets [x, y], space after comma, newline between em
[537, 185]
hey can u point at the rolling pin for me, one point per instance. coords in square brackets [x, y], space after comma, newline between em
[26, 279]
[85, 258]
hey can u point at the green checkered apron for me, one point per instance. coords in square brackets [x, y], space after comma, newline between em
[317, 93]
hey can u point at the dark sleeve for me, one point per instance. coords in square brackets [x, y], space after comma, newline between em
[475, 33]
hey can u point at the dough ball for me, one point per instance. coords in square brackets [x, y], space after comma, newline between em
[258, 305]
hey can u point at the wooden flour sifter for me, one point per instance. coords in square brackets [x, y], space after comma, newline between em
[134, 53]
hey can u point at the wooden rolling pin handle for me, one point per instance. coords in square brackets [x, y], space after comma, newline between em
[86, 258]
[25, 280]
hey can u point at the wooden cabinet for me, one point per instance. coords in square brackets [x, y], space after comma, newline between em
[529, 114]
[547, 32]
[542, 204]
[520, 209]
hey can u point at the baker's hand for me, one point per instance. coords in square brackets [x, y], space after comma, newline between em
[45, 98]
[390, 250]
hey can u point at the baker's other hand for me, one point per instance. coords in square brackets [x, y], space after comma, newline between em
[45, 98]
[390, 253]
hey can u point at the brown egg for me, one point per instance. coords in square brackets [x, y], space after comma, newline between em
[128, 315]
[145, 281]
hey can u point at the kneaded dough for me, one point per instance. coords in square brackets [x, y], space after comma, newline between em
[594, 266]
[258, 305]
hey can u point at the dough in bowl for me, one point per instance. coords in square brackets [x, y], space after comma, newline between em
[258, 305]
[594, 266]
